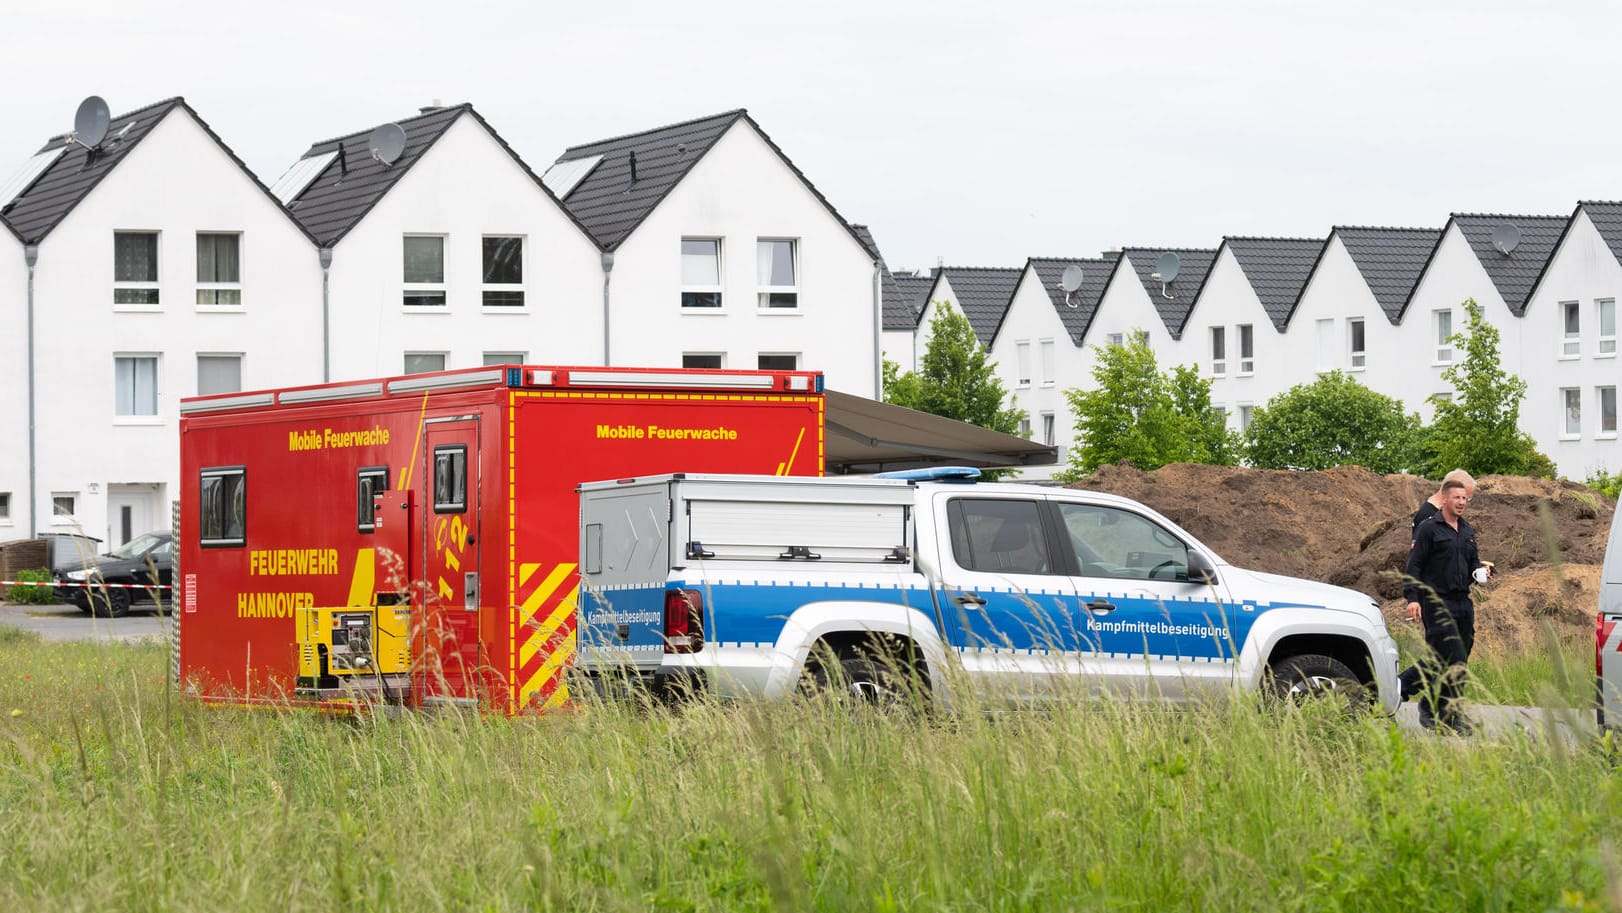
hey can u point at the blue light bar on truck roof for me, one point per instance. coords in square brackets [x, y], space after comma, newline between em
[932, 474]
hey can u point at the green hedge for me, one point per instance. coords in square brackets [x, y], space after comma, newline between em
[33, 595]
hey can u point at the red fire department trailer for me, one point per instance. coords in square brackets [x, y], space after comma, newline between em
[414, 539]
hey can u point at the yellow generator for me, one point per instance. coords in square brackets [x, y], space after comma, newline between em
[360, 653]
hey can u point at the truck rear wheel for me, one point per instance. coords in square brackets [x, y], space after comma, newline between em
[1313, 676]
[860, 680]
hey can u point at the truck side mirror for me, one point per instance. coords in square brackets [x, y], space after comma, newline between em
[1200, 568]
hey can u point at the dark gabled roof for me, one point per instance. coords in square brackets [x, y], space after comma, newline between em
[913, 290]
[1191, 273]
[1514, 275]
[1391, 260]
[43, 204]
[1077, 312]
[1277, 269]
[983, 294]
[611, 206]
[1606, 217]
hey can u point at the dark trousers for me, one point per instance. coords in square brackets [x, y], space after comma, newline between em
[1450, 633]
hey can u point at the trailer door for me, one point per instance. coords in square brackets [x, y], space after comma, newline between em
[450, 656]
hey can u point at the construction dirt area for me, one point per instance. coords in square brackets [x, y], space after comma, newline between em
[1350, 527]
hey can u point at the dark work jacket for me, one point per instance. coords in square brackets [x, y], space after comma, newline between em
[1441, 559]
[1425, 512]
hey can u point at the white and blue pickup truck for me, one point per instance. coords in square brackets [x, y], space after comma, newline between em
[759, 586]
[1608, 632]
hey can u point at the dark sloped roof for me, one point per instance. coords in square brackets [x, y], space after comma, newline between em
[342, 194]
[42, 205]
[1607, 219]
[1077, 313]
[983, 294]
[893, 302]
[913, 290]
[1514, 275]
[610, 205]
[1195, 265]
[1277, 269]
[1391, 261]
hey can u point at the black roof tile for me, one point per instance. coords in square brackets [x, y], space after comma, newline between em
[1194, 266]
[1077, 309]
[1391, 260]
[1517, 273]
[1607, 218]
[983, 294]
[913, 289]
[1277, 269]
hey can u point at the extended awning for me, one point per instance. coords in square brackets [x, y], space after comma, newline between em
[869, 436]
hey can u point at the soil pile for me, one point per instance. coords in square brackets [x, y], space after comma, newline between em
[1350, 527]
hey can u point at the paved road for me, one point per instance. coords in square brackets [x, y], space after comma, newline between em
[66, 622]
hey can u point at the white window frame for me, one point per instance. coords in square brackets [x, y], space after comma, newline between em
[1603, 308]
[65, 518]
[1047, 355]
[1246, 412]
[444, 361]
[5, 508]
[1049, 429]
[1022, 363]
[798, 361]
[440, 287]
[137, 418]
[1025, 427]
[503, 358]
[1601, 394]
[1247, 352]
[1219, 351]
[720, 357]
[157, 270]
[1571, 413]
[217, 286]
[1357, 349]
[220, 356]
[1442, 324]
[1325, 328]
[1571, 330]
[765, 289]
[521, 286]
[703, 288]
[1115, 339]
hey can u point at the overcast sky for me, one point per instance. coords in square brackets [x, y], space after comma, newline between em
[974, 133]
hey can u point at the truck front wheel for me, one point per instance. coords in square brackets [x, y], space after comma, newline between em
[1313, 676]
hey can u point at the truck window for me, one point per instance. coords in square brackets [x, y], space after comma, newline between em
[222, 504]
[1110, 542]
[369, 481]
[998, 536]
[450, 479]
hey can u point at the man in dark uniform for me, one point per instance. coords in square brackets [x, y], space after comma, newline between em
[1411, 677]
[1441, 561]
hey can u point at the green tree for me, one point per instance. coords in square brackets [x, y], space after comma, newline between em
[1478, 429]
[1137, 413]
[1334, 421]
[957, 378]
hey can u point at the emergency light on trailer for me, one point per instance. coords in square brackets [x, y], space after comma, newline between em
[226, 402]
[731, 380]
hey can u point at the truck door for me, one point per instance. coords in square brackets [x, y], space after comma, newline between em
[1007, 606]
[449, 656]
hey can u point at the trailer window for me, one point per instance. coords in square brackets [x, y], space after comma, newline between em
[450, 479]
[369, 481]
[223, 506]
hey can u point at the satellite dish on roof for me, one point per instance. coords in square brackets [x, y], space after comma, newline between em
[1070, 281]
[90, 122]
[1506, 238]
[1168, 266]
[386, 143]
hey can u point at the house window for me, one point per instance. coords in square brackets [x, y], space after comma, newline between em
[1048, 367]
[1571, 342]
[424, 270]
[1115, 339]
[1047, 428]
[777, 273]
[701, 360]
[1443, 321]
[778, 362]
[1571, 401]
[1025, 427]
[1219, 351]
[222, 496]
[135, 267]
[492, 359]
[1247, 352]
[1606, 318]
[1607, 410]
[135, 383]
[63, 506]
[1326, 344]
[1356, 343]
[1244, 416]
[219, 268]
[219, 374]
[424, 362]
[5, 505]
[700, 272]
[369, 482]
[504, 272]
[1022, 353]
[450, 479]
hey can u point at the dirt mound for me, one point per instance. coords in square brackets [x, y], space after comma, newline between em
[1350, 527]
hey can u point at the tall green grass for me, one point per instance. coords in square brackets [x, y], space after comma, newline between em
[119, 796]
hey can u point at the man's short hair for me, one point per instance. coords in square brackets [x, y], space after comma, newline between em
[1450, 484]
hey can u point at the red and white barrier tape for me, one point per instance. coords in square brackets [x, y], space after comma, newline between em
[111, 586]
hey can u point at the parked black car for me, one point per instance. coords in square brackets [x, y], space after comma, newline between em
[121, 577]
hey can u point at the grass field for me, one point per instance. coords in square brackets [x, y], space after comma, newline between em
[118, 796]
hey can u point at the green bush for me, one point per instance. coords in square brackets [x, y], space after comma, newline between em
[1606, 483]
[1334, 421]
[33, 595]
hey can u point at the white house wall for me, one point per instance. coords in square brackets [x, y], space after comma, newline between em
[740, 192]
[897, 346]
[14, 380]
[1032, 320]
[1228, 300]
[176, 182]
[1454, 274]
[465, 187]
[1337, 292]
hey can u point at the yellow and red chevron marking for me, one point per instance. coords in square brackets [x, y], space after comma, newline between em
[546, 633]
